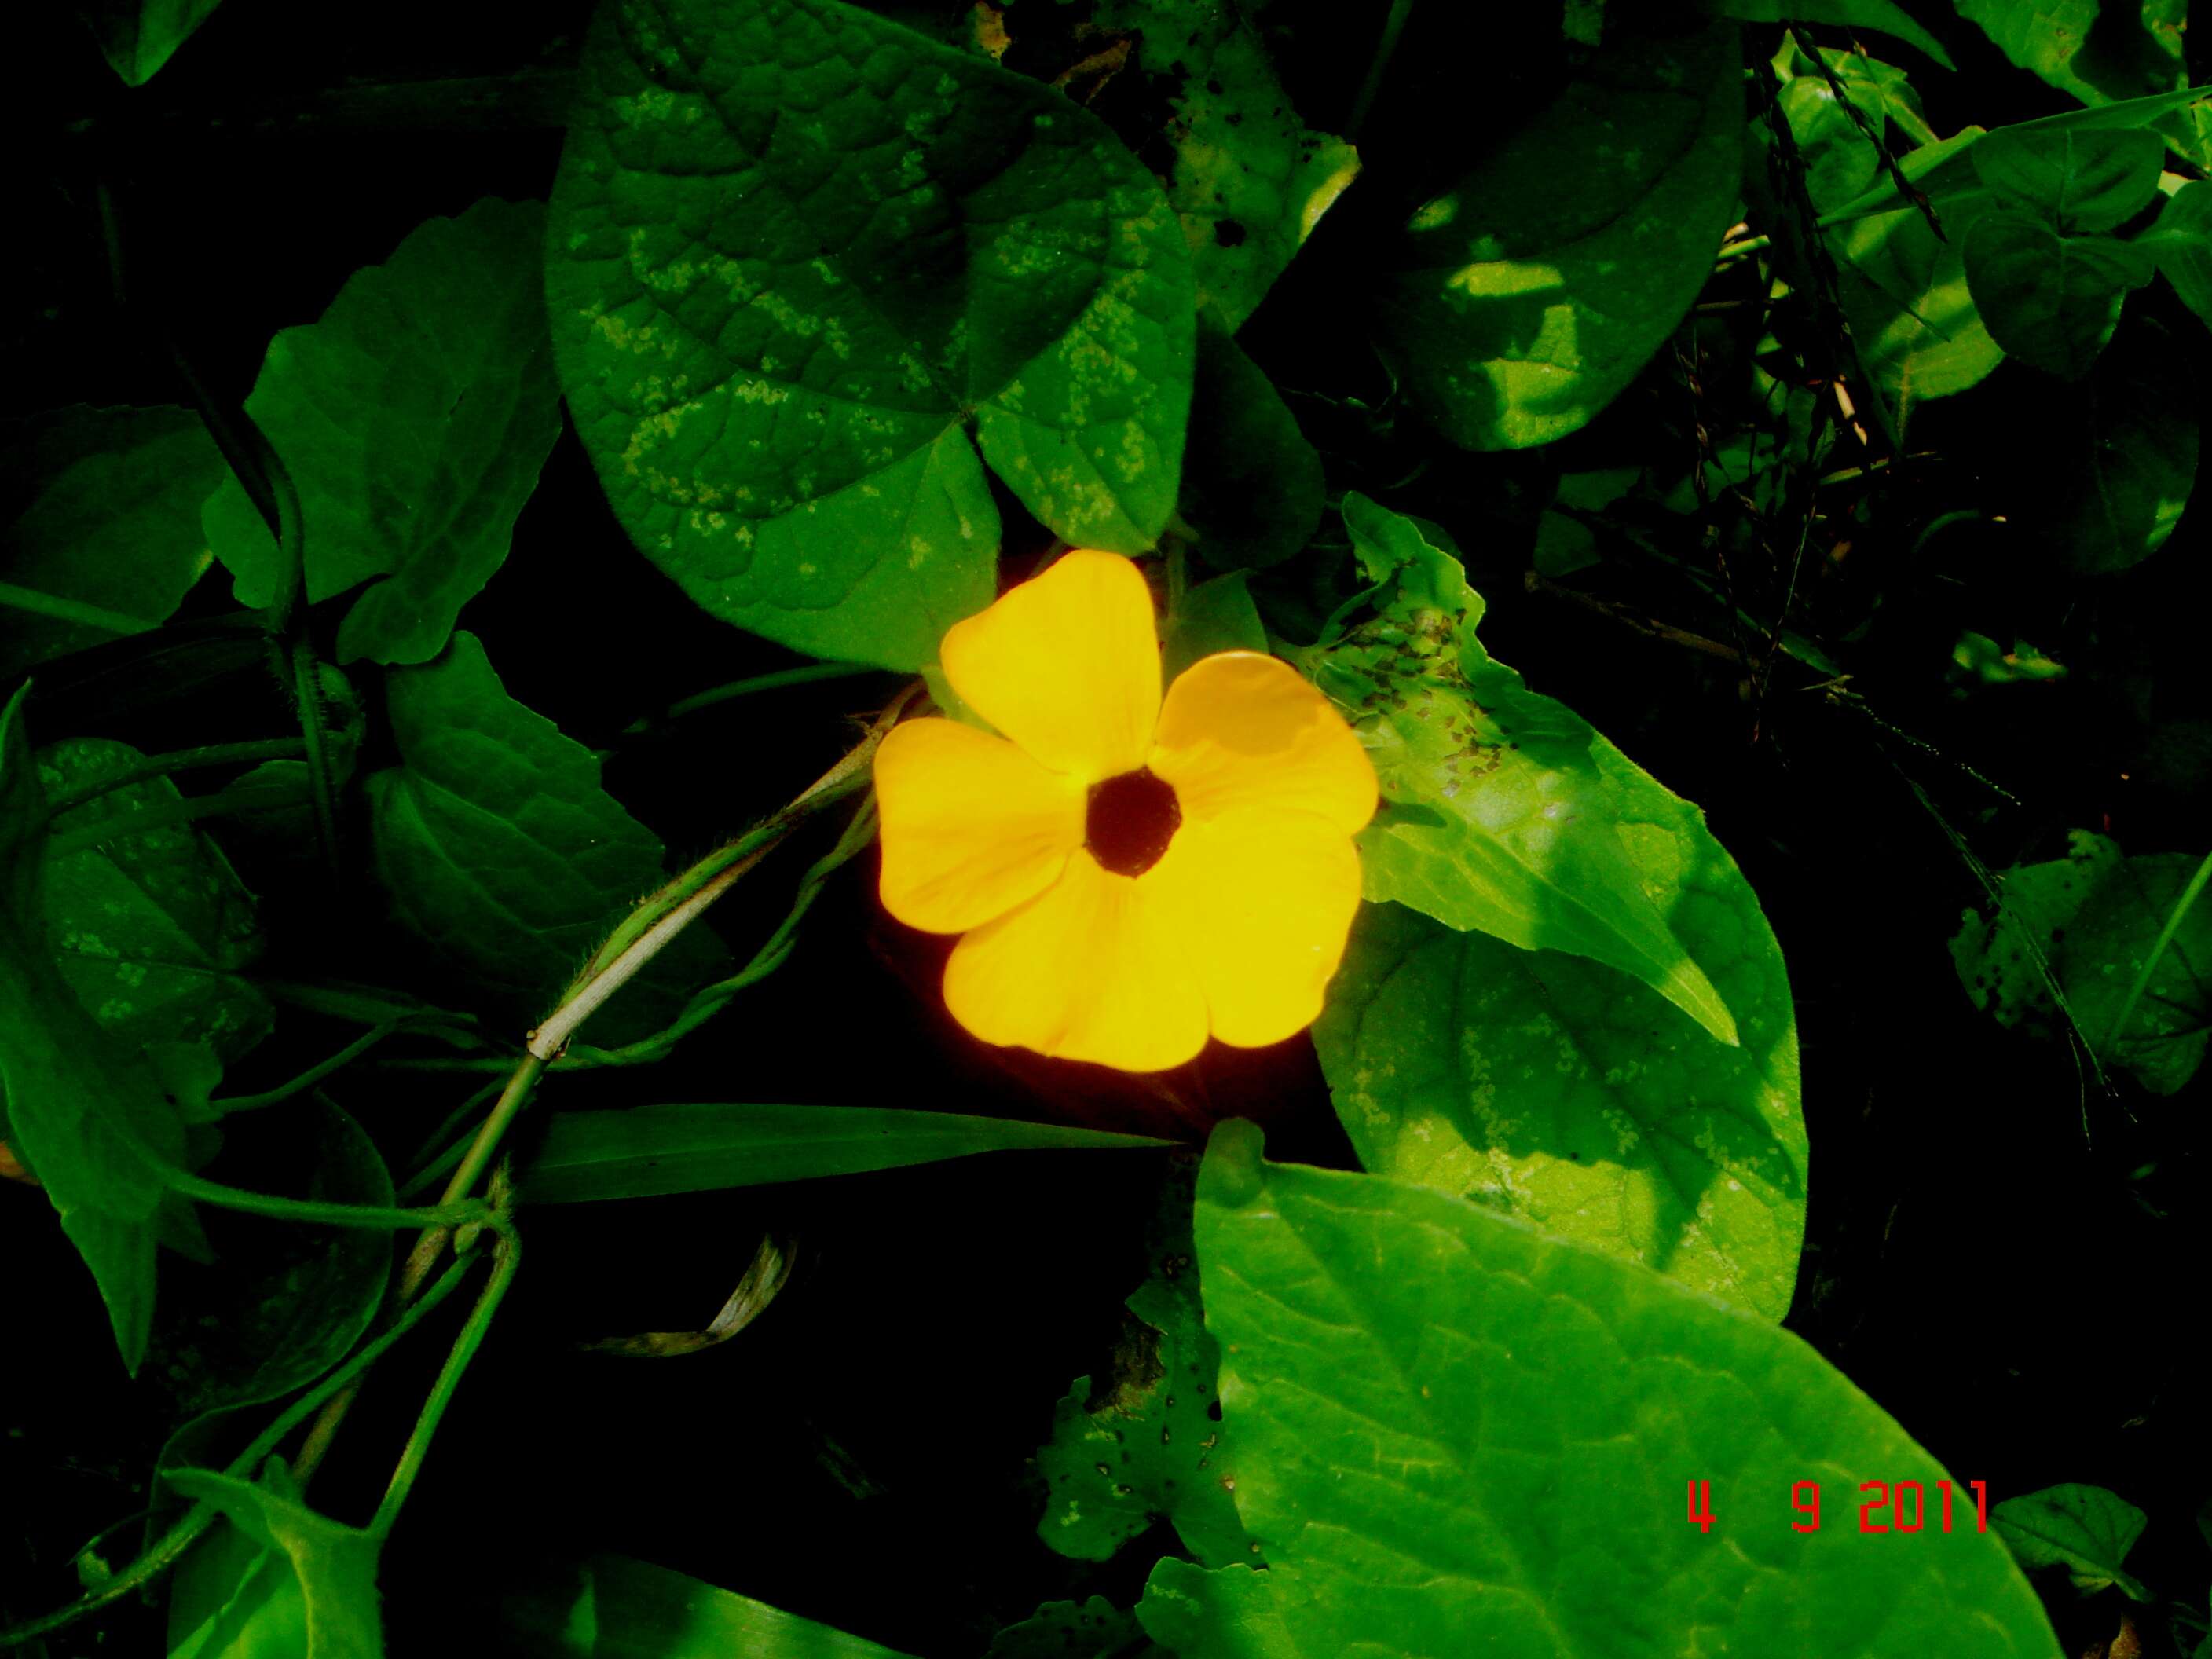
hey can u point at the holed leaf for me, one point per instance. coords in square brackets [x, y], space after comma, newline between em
[2008, 961]
[1095, 1629]
[1554, 1088]
[2079, 930]
[1505, 812]
[1457, 1436]
[80, 1106]
[496, 844]
[794, 248]
[413, 418]
[106, 539]
[1150, 1442]
[152, 929]
[1531, 293]
[1250, 180]
[648, 1152]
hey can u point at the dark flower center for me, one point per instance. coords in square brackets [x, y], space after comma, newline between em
[1132, 819]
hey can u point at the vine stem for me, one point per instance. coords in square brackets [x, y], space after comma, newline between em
[75, 612]
[161, 766]
[633, 943]
[506, 1256]
[552, 1036]
[165, 1553]
[805, 674]
[246, 798]
[1386, 48]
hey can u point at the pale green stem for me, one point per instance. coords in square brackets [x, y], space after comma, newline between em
[506, 1256]
[315, 1073]
[75, 612]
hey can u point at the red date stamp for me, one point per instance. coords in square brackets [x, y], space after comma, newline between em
[1896, 1506]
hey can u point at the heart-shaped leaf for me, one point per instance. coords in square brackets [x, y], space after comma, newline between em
[794, 250]
[1531, 293]
[2050, 299]
[1457, 1436]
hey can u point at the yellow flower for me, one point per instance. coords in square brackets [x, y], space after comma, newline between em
[1130, 873]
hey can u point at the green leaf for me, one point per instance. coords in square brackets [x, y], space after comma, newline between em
[1149, 1442]
[1505, 812]
[283, 1313]
[2083, 182]
[2081, 929]
[2050, 299]
[2079, 48]
[153, 930]
[1215, 616]
[1552, 1088]
[614, 1607]
[1250, 179]
[1913, 318]
[2110, 469]
[105, 538]
[1457, 1436]
[333, 1565]
[2008, 962]
[1095, 1629]
[138, 36]
[497, 846]
[1944, 171]
[2108, 943]
[1880, 17]
[648, 1152]
[1531, 293]
[793, 248]
[234, 1598]
[77, 1100]
[1565, 542]
[2084, 1529]
[439, 359]
[1840, 163]
[2181, 242]
[1251, 484]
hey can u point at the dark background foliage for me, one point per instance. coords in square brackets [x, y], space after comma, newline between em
[1990, 1231]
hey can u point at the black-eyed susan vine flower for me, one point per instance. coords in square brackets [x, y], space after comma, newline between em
[1130, 873]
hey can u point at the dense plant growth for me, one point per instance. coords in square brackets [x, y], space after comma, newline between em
[541, 539]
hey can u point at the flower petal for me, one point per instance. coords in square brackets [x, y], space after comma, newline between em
[1067, 665]
[1240, 729]
[1088, 970]
[1264, 900]
[971, 826]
